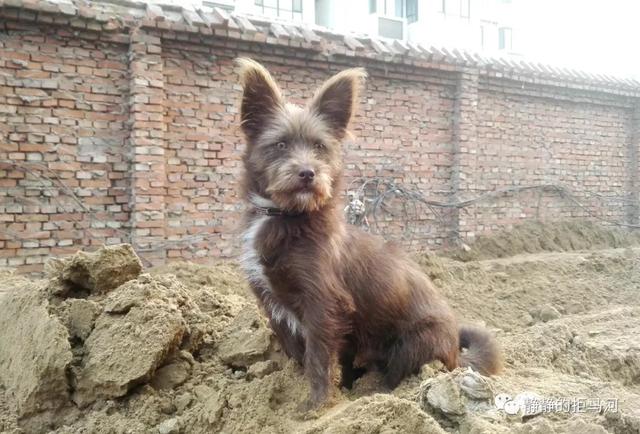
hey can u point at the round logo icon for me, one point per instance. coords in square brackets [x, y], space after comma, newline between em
[512, 407]
[501, 399]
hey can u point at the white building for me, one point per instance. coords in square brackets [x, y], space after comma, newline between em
[300, 11]
[477, 25]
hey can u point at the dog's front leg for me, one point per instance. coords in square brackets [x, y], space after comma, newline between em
[317, 363]
[291, 341]
[322, 342]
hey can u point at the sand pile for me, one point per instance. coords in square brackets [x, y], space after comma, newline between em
[100, 345]
[97, 329]
[536, 236]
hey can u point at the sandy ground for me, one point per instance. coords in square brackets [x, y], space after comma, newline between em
[102, 345]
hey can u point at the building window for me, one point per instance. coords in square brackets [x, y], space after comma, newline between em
[288, 9]
[399, 8]
[465, 8]
[412, 11]
[393, 8]
[505, 38]
[396, 9]
[389, 8]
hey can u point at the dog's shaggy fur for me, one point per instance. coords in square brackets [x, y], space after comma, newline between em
[331, 291]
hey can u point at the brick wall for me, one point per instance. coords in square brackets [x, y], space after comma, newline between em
[63, 121]
[533, 140]
[120, 124]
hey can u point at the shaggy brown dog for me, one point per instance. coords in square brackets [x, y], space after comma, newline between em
[330, 290]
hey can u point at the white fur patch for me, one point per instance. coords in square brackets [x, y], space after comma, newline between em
[250, 260]
[282, 314]
[253, 269]
[261, 202]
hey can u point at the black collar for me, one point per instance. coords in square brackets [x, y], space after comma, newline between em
[261, 207]
[275, 212]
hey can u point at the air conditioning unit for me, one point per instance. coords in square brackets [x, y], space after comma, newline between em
[390, 27]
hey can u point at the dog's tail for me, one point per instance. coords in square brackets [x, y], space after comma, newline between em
[482, 351]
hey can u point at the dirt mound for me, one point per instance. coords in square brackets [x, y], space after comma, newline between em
[377, 414]
[223, 278]
[604, 345]
[535, 236]
[102, 346]
[516, 292]
[96, 329]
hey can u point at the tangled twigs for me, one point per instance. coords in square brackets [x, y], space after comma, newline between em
[376, 193]
[370, 202]
[54, 186]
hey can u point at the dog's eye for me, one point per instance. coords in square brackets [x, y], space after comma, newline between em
[319, 146]
[281, 145]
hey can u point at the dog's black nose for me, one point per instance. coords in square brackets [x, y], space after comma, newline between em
[307, 174]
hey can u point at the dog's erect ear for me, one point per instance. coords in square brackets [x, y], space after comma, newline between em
[336, 100]
[261, 98]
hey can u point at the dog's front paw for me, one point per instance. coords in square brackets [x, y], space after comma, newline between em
[308, 405]
[310, 408]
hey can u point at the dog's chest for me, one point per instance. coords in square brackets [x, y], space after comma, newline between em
[252, 265]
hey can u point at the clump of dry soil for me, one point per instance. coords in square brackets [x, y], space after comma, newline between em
[536, 236]
[100, 345]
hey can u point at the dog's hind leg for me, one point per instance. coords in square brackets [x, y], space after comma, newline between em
[414, 348]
